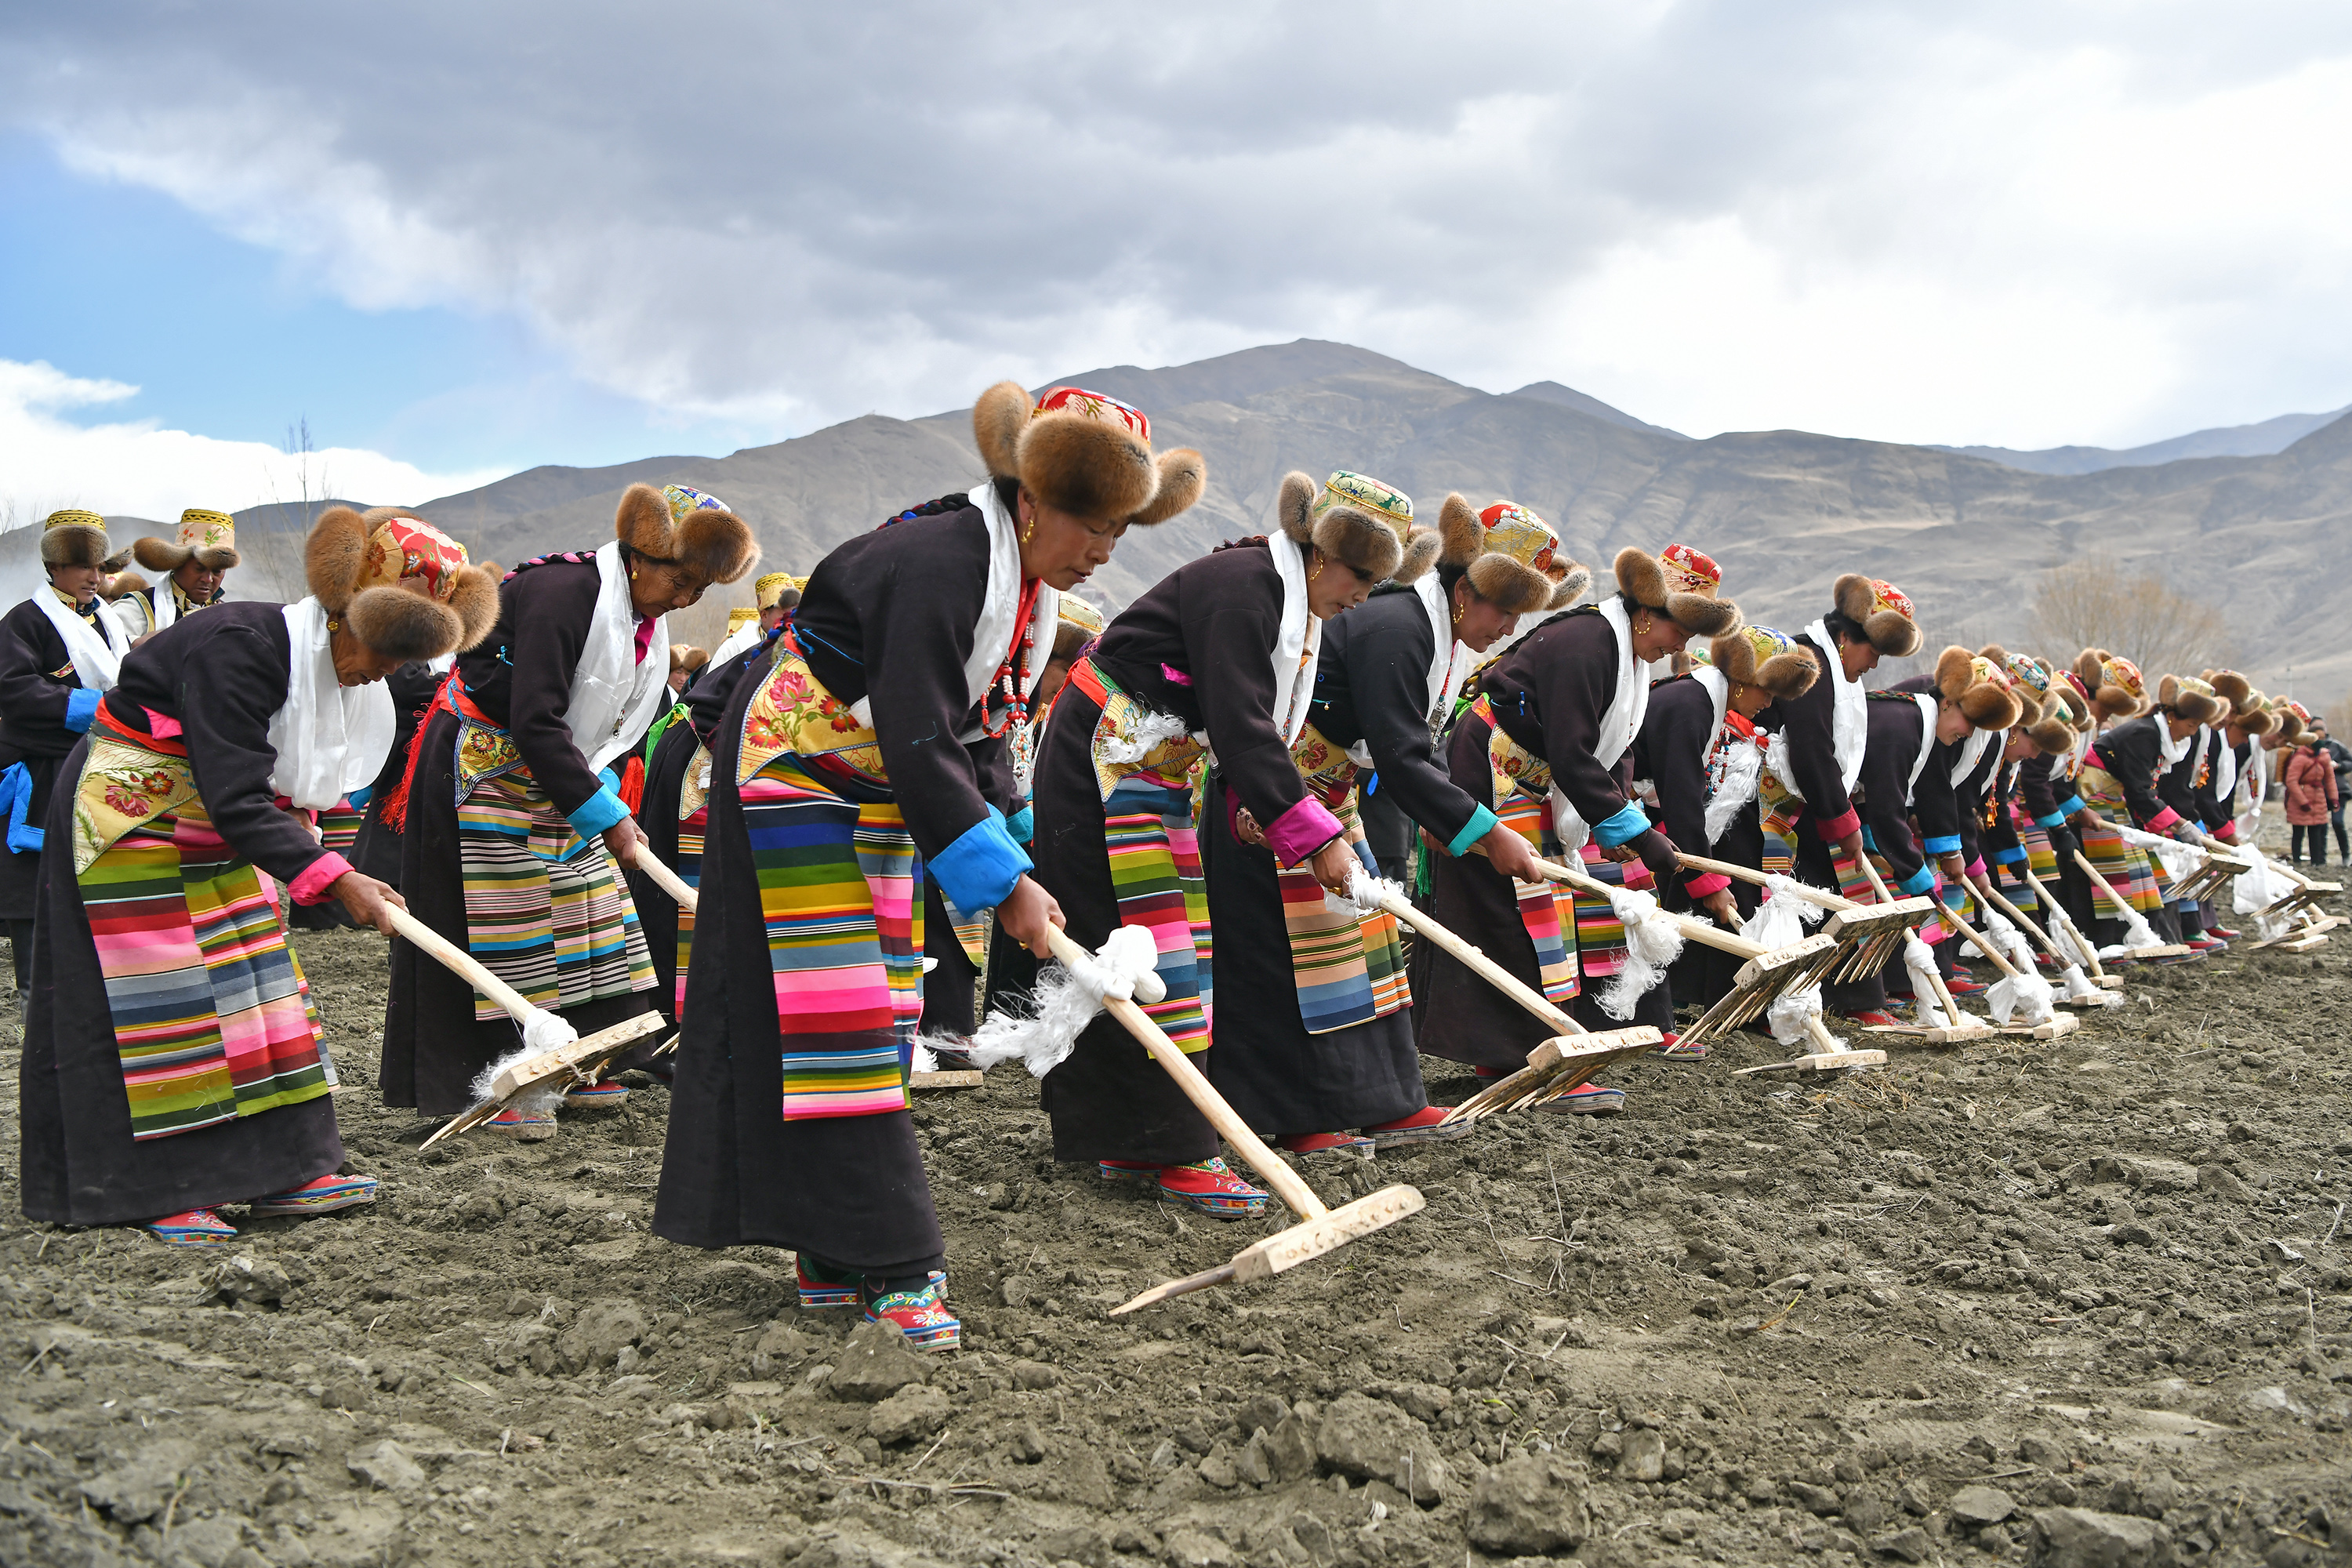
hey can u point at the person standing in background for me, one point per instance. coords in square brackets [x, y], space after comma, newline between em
[2338, 757]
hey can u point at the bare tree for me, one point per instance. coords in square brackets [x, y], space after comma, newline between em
[2097, 602]
[271, 543]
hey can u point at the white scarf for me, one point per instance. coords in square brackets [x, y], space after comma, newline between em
[992, 635]
[1928, 706]
[1972, 751]
[1299, 644]
[739, 641]
[97, 651]
[1446, 665]
[2225, 775]
[1742, 770]
[1849, 714]
[1619, 725]
[2168, 751]
[331, 738]
[615, 696]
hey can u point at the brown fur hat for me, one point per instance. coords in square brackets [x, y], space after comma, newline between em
[122, 582]
[73, 538]
[2249, 710]
[1510, 556]
[670, 525]
[1333, 521]
[1758, 655]
[2188, 698]
[1084, 453]
[1882, 610]
[207, 537]
[2103, 676]
[1680, 583]
[404, 623]
[1985, 695]
[2052, 730]
[2286, 721]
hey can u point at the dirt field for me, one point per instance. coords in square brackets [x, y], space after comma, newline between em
[2083, 1303]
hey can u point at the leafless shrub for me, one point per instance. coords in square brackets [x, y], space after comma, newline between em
[2098, 603]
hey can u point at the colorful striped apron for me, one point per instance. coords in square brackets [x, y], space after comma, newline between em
[1348, 968]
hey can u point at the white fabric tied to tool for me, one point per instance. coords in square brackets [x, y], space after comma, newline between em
[2179, 859]
[1779, 920]
[541, 1031]
[2137, 934]
[1653, 941]
[1066, 1000]
[2258, 890]
[2023, 998]
[1920, 960]
[1366, 890]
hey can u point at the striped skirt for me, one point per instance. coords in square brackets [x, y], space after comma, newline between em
[2131, 871]
[688, 866]
[212, 1015]
[1155, 872]
[1545, 909]
[339, 826]
[1599, 934]
[840, 897]
[544, 909]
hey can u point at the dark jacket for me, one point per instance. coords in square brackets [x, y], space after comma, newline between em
[1372, 684]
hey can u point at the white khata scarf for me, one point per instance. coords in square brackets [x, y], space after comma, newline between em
[615, 696]
[1619, 725]
[331, 738]
[97, 651]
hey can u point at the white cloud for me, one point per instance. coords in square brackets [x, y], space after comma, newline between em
[1980, 221]
[139, 468]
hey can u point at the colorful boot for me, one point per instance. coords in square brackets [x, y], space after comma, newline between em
[1427, 1125]
[196, 1227]
[324, 1195]
[1208, 1187]
[921, 1314]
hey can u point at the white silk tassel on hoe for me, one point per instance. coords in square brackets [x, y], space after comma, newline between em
[1320, 1229]
[1067, 997]
[2020, 995]
[1795, 1017]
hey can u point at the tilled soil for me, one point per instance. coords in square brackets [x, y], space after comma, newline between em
[2085, 1302]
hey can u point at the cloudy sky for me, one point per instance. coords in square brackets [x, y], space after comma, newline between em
[460, 240]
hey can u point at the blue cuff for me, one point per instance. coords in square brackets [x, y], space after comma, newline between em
[2055, 819]
[15, 797]
[361, 797]
[1626, 826]
[1482, 823]
[602, 810]
[2070, 805]
[1919, 883]
[978, 871]
[2008, 857]
[1022, 825]
[612, 781]
[1868, 842]
[1944, 844]
[81, 707]
[1363, 849]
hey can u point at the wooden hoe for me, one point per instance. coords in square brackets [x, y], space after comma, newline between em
[1322, 1229]
[572, 1061]
[2161, 950]
[1869, 934]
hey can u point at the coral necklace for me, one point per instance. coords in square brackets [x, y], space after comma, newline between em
[1006, 701]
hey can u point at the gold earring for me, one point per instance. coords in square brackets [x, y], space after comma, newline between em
[1030, 531]
[1319, 568]
[633, 573]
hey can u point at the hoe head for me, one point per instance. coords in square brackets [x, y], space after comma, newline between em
[1764, 979]
[580, 1062]
[1562, 1063]
[1871, 934]
[1288, 1248]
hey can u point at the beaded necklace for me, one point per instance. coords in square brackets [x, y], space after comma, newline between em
[1006, 701]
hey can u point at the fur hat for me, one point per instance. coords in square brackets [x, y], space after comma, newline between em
[2287, 717]
[1076, 624]
[1882, 610]
[1510, 556]
[73, 538]
[2188, 698]
[2052, 730]
[406, 587]
[207, 537]
[1680, 583]
[1084, 453]
[1758, 655]
[1357, 521]
[2247, 708]
[681, 526]
[2114, 683]
[1985, 694]
[119, 583]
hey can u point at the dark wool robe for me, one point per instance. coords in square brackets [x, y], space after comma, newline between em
[1896, 729]
[2132, 752]
[1672, 752]
[222, 675]
[2042, 789]
[1549, 693]
[520, 676]
[1371, 686]
[377, 851]
[892, 614]
[1216, 621]
[36, 681]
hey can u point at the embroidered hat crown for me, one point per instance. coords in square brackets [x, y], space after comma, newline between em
[1689, 571]
[1768, 643]
[1094, 405]
[2028, 672]
[768, 589]
[1513, 531]
[684, 499]
[202, 530]
[1366, 494]
[1075, 612]
[1885, 595]
[2116, 671]
[72, 517]
[410, 548]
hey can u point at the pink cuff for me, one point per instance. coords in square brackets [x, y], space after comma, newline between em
[310, 886]
[1700, 886]
[1976, 869]
[2162, 822]
[1833, 828]
[1300, 831]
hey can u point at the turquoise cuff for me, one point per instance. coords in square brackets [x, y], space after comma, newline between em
[81, 707]
[1943, 844]
[2008, 857]
[2055, 819]
[1918, 882]
[2067, 807]
[1022, 825]
[1627, 824]
[980, 869]
[1482, 823]
[602, 810]
[361, 797]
